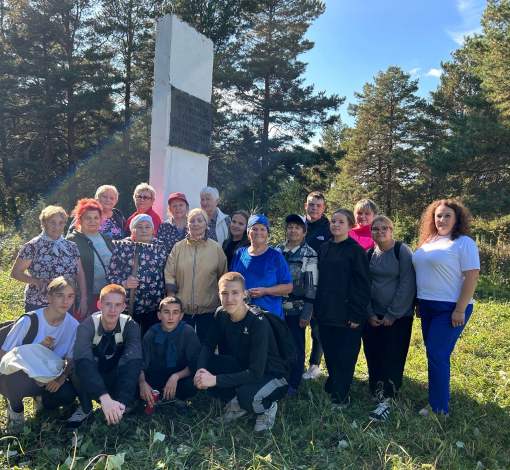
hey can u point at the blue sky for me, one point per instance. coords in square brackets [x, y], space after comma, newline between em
[356, 39]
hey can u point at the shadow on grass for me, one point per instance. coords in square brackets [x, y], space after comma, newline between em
[307, 434]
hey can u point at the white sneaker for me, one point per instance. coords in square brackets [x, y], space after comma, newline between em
[340, 406]
[265, 421]
[231, 412]
[37, 404]
[313, 372]
[78, 418]
[381, 413]
[424, 411]
[15, 421]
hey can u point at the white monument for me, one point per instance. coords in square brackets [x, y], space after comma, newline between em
[181, 112]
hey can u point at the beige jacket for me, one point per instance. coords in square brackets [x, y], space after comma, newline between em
[192, 271]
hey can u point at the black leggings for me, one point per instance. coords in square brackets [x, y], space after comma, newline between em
[254, 397]
[15, 387]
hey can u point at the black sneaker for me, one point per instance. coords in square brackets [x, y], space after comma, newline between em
[381, 413]
[78, 418]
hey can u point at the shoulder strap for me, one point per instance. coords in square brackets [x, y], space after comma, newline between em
[119, 337]
[96, 318]
[32, 330]
[95, 251]
[370, 253]
[396, 250]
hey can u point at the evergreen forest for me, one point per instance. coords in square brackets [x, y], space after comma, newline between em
[75, 113]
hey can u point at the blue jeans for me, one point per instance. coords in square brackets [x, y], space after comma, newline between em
[298, 334]
[440, 337]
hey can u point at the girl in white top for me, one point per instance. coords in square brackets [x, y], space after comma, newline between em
[447, 267]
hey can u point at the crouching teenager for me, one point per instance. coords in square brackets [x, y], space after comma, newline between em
[33, 355]
[254, 377]
[170, 354]
[108, 359]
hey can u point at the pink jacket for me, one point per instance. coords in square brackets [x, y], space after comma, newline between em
[363, 236]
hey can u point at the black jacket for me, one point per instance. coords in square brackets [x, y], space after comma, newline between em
[90, 362]
[87, 258]
[318, 233]
[344, 289]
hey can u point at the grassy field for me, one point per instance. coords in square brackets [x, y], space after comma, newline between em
[307, 434]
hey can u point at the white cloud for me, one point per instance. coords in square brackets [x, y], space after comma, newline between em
[414, 71]
[470, 12]
[433, 73]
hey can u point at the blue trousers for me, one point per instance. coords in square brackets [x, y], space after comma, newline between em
[439, 337]
[298, 335]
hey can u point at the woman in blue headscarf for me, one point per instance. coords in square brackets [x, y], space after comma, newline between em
[265, 270]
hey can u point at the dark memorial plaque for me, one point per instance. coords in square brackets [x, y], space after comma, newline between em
[190, 122]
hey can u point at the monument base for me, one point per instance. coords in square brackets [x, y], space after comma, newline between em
[178, 171]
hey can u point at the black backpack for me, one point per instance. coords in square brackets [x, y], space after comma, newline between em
[6, 327]
[284, 340]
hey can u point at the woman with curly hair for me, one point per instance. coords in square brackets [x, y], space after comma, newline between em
[447, 267]
[95, 249]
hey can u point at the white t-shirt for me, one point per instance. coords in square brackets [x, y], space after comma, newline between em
[64, 334]
[439, 264]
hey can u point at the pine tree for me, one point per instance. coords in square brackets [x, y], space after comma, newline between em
[383, 154]
[268, 107]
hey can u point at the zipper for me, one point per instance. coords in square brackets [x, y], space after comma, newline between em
[193, 281]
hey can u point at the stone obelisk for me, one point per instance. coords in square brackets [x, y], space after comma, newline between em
[181, 112]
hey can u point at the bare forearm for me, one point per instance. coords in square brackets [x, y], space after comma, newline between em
[141, 379]
[279, 290]
[467, 291]
[82, 283]
[183, 373]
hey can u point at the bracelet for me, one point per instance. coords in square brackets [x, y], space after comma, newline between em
[460, 311]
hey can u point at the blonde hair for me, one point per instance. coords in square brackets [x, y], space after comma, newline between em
[50, 211]
[384, 220]
[366, 205]
[145, 187]
[104, 188]
[196, 211]
[232, 276]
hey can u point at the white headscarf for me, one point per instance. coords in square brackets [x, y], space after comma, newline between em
[140, 218]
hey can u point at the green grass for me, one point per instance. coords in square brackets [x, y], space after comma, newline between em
[307, 435]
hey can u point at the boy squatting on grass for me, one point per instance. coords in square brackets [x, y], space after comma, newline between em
[254, 377]
[108, 371]
[56, 330]
[170, 354]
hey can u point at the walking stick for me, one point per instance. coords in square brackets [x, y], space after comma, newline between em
[133, 273]
[137, 246]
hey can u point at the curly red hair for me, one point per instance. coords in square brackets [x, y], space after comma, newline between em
[83, 206]
[428, 225]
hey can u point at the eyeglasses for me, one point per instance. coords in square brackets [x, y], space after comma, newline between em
[381, 230]
[143, 198]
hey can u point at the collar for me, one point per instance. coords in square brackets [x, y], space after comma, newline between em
[295, 249]
[101, 331]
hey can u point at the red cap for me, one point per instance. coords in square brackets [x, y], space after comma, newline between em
[176, 196]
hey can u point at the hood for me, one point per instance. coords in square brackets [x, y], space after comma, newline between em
[362, 230]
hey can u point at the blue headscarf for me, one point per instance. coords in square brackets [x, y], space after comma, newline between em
[171, 348]
[258, 219]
